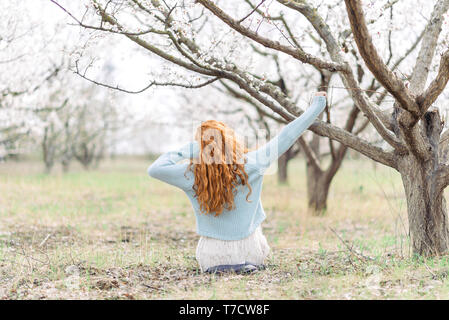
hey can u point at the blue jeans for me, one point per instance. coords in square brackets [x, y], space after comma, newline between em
[246, 267]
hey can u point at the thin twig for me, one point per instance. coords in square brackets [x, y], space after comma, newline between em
[244, 18]
[355, 253]
[152, 83]
[45, 240]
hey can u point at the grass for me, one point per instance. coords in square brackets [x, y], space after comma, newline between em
[115, 233]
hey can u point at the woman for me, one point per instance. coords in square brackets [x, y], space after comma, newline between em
[224, 182]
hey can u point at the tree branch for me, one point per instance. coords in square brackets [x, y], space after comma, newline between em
[437, 86]
[379, 119]
[266, 93]
[151, 84]
[310, 154]
[428, 47]
[374, 62]
[376, 153]
[296, 53]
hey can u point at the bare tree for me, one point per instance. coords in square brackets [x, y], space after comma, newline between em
[412, 131]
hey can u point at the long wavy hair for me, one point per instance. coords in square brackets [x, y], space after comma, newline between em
[219, 169]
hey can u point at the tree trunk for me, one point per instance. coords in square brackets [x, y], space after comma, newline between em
[317, 190]
[47, 154]
[65, 166]
[283, 164]
[317, 187]
[427, 215]
[282, 168]
[319, 181]
[48, 167]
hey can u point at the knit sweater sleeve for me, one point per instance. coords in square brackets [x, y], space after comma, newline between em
[263, 157]
[166, 168]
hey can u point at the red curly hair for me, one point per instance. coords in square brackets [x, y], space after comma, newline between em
[219, 169]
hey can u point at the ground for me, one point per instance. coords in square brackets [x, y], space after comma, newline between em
[115, 233]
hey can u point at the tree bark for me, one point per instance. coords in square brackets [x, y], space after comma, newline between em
[47, 152]
[427, 214]
[317, 190]
[316, 195]
[282, 168]
[65, 166]
[283, 161]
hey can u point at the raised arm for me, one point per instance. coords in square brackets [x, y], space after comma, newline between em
[166, 168]
[271, 151]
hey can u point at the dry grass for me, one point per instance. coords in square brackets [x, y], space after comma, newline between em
[117, 234]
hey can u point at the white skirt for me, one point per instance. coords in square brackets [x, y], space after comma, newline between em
[212, 252]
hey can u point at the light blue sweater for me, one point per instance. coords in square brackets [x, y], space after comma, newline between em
[242, 221]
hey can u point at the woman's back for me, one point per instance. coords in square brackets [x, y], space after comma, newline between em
[247, 212]
[236, 223]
